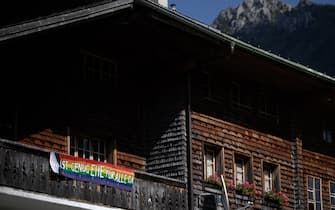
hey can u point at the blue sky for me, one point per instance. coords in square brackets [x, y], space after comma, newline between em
[206, 10]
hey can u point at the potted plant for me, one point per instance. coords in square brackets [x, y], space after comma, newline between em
[214, 180]
[276, 199]
[244, 191]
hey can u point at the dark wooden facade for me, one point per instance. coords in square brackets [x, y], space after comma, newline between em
[27, 168]
[159, 90]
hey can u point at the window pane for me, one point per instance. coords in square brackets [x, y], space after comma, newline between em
[318, 206]
[72, 143]
[95, 156]
[87, 154]
[102, 148]
[333, 201]
[317, 184]
[80, 153]
[86, 144]
[102, 158]
[239, 171]
[72, 146]
[80, 143]
[210, 164]
[332, 187]
[95, 145]
[317, 196]
[310, 183]
[72, 151]
[267, 180]
[311, 206]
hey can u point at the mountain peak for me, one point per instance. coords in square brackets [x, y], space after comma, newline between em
[250, 12]
[303, 33]
[304, 3]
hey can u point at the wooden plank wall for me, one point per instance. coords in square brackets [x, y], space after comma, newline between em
[320, 166]
[130, 161]
[234, 138]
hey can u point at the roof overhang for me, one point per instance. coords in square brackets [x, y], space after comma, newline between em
[64, 18]
[166, 15]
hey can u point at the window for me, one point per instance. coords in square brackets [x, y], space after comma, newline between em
[332, 195]
[314, 193]
[88, 147]
[213, 161]
[243, 169]
[268, 108]
[210, 163]
[241, 98]
[216, 86]
[327, 135]
[267, 180]
[97, 68]
[271, 177]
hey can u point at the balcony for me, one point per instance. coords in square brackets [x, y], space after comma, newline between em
[27, 169]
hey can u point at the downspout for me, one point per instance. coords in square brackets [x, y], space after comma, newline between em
[189, 143]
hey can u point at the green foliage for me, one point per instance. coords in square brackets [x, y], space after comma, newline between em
[276, 197]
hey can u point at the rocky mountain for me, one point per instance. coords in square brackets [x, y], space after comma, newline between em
[304, 33]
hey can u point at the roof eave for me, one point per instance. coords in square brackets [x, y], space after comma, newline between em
[216, 34]
[110, 7]
[64, 18]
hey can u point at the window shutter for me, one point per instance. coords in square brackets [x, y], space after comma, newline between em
[248, 167]
[276, 180]
[219, 162]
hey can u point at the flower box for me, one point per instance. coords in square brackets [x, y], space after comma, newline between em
[275, 199]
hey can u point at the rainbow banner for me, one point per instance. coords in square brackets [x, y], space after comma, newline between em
[92, 171]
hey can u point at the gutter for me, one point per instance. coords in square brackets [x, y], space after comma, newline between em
[218, 35]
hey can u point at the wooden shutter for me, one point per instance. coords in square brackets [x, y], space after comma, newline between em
[276, 179]
[248, 168]
[219, 164]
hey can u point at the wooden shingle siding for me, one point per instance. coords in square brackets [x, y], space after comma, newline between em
[237, 139]
[47, 139]
[165, 128]
[167, 156]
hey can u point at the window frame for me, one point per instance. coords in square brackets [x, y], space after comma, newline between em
[327, 135]
[268, 107]
[313, 191]
[75, 149]
[246, 160]
[274, 172]
[240, 100]
[97, 68]
[331, 195]
[206, 161]
[218, 159]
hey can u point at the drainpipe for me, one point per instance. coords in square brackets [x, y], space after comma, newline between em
[189, 143]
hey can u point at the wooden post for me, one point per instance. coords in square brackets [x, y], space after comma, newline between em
[68, 139]
[189, 143]
[115, 153]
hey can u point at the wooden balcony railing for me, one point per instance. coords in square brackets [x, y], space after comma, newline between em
[27, 168]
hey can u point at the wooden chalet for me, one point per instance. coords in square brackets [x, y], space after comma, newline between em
[140, 87]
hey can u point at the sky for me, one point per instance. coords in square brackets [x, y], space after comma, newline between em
[207, 10]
